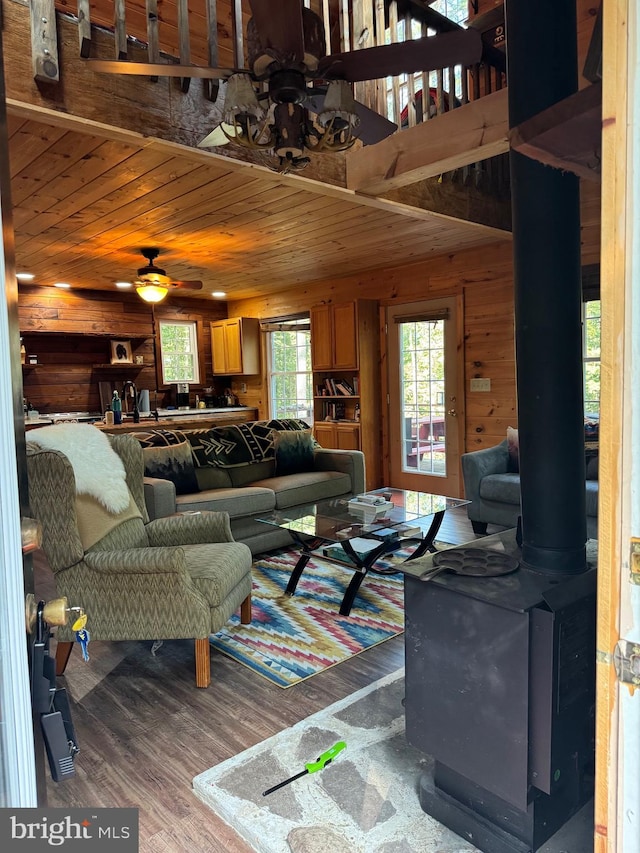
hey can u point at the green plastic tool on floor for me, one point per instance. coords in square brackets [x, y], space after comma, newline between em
[312, 767]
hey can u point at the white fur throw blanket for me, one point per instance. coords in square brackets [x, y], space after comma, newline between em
[98, 469]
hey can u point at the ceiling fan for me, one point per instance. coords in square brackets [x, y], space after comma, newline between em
[153, 283]
[286, 52]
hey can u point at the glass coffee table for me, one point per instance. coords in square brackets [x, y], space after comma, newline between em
[360, 530]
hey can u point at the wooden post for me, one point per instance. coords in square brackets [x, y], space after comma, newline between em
[617, 716]
[236, 22]
[152, 33]
[120, 30]
[212, 86]
[84, 27]
[44, 42]
[183, 38]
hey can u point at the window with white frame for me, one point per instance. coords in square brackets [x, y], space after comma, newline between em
[290, 379]
[179, 351]
[591, 357]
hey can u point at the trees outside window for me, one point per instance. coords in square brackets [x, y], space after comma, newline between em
[179, 351]
[591, 357]
[290, 380]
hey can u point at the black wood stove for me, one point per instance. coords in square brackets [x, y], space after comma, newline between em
[500, 690]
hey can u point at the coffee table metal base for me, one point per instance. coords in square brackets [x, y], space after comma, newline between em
[362, 566]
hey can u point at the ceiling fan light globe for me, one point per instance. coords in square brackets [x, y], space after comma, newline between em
[241, 101]
[339, 104]
[153, 293]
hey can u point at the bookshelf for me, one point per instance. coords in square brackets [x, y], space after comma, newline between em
[346, 365]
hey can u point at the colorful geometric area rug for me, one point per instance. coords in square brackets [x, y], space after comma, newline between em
[291, 638]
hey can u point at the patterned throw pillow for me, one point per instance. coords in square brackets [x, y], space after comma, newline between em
[513, 448]
[294, 451]
[173, 462]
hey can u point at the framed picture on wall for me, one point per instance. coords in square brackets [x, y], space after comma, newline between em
[121, 352]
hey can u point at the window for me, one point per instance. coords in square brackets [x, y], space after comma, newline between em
[289, 348]
[179, 351]
[591, 357]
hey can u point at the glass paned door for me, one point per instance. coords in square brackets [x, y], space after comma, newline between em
[425, 411]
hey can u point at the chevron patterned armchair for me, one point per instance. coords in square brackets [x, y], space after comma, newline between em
[172, 578]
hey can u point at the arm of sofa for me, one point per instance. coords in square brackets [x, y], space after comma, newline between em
[477, 464]
[349, 462]
[160, 497]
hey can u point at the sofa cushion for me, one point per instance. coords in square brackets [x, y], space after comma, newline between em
[237, 502]
[244, 475]
[294, 451]
[513, 448]
[504, 488]
[293, 489]
[592, 497]
[213, 478]
[173, 462]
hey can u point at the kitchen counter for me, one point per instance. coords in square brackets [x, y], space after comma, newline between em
[191, 419]
[170, 419]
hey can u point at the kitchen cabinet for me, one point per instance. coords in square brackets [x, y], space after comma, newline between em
[334, 336]
[235, 346]
[345, 361]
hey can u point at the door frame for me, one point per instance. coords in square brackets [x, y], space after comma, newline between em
[19, 786]
[386, 355]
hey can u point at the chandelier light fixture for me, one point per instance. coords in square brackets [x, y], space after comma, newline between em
[285, 127]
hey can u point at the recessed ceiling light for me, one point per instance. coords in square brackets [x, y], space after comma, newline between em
[62, 284]
[25, 276]
[123, 284]
[218, 294]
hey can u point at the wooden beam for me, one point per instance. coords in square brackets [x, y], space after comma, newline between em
[473, 132]
[568, 135]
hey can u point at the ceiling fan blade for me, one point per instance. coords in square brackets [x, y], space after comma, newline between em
[188, 285]
[157, 69]
[373, 127]
[279, 26]
[459, 47]
[218, 136]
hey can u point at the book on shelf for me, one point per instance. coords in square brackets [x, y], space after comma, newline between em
[344, 388]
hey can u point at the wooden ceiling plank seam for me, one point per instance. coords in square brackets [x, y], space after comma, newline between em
[131, 208]
[66, 168]
[26, 147]
[54, 166]
[92, 196]
[94, 190]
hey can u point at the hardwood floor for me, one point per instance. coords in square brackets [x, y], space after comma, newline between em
[145, 730]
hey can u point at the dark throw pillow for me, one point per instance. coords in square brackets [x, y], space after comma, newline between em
[513, 448]
[173, 463]
[294, 451]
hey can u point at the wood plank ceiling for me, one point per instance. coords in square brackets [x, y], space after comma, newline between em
[84, 205]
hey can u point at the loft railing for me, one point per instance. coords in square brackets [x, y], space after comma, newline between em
[211, 32]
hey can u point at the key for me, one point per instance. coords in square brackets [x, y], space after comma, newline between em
[83, 637]
[80, 622]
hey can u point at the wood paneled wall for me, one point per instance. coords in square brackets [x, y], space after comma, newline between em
[484, 277]
[70, 332]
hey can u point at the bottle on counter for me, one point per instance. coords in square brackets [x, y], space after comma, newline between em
[116, 408]
[23, 352]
